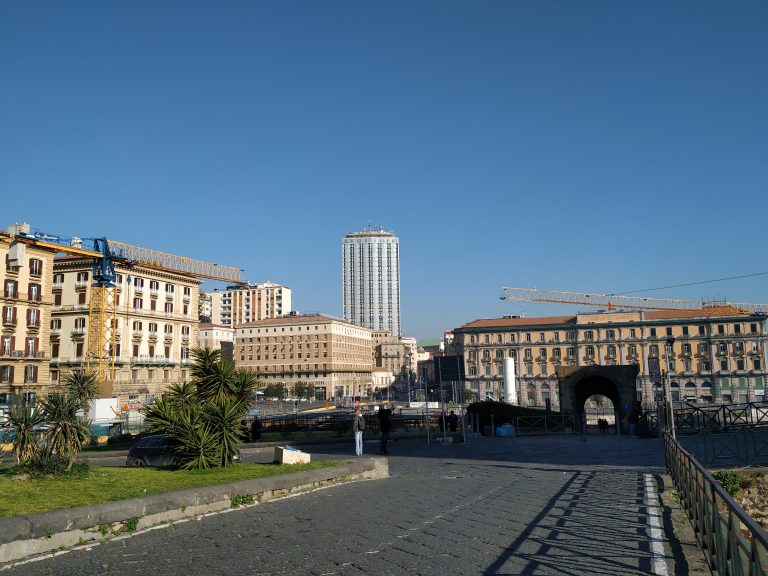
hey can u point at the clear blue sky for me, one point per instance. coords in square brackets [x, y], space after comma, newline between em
[598, 146]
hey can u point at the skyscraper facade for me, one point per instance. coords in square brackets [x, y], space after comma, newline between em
[371, 278]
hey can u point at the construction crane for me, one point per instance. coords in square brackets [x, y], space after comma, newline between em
[102, 305]
[611, 301]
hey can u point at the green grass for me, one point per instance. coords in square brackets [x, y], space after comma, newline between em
[23, 496]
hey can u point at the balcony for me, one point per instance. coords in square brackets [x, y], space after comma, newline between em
[169, 295]
[78, 332]
[138, 290]
[186, 297]
[9, 321]
[146, 360]
[55, 332]
[57, 286]
[154, 292]
[81, 284]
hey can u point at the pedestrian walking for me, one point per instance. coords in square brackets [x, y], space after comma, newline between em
[358, 425]
[385, 425]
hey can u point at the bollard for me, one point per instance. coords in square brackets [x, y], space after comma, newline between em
[493, 427]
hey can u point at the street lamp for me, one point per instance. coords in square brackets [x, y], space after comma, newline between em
[668, 381]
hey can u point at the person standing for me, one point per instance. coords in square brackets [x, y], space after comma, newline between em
[358, 425]
[453, 421]
[385, 425]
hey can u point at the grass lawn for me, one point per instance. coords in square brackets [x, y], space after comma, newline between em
[22, 495]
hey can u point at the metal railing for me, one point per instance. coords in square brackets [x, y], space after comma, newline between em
[547, 424]
[732, 542]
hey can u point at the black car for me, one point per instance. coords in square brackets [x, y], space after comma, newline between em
[152, 450]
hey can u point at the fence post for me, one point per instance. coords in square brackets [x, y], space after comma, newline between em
[493, 427]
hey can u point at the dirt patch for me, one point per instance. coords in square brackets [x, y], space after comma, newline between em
[753, 496]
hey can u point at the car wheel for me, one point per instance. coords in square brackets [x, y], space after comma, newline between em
[138, 462]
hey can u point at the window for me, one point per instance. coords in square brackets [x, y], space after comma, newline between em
[169, 289]
[633, 350]
[168, 329]
[543, 370]
[9, 315]
[589, 335]
[185, 330]
[702, 330]
[35, 267]
[737, 328]
[669, 331]
[653, 332]
[11, 288]
[590, 351]
[137, 325]
[753, 328]
[724, 364]
[686, 348]
[169, 307]
[138, 282]
[687, 364]
[527, 337]
[556, 336]
[30, 374]
[556, 353]
[720, 329]
[632, 333]
[543, 353]
[571, 352]
[528, 354]
[33, 318]
[611, 351]
[611, 335]
[82, 277]
[138, 303]
[757, 363]
[685, 330]
[654, 350]
[541, 337]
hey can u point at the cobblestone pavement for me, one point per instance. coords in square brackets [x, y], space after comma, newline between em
[539, 505]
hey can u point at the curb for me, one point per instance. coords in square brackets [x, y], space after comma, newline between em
[23, 536]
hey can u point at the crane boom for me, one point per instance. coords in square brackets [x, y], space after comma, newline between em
[165, 261]
[615, 301]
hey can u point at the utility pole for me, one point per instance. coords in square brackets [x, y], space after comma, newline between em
[668, 381]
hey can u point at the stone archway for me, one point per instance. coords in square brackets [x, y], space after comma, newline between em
[617, 383]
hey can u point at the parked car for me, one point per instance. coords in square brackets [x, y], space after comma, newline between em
[154, 450]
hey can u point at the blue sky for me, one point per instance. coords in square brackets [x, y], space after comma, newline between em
[595, 146]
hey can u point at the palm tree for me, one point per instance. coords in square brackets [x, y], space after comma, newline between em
[23, 419]
[203, 418]
[81, 385]
[67, 432]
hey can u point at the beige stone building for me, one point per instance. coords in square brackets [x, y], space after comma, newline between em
[25, 300]
[332, 355]
[156, 326]
[218, 336]
[718, 355]
[246, 303]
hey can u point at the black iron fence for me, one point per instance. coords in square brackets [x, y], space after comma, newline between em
[732, 541]
[341, 422]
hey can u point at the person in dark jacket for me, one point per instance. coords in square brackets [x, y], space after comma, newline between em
[385, 425]
[453, 421]
[358, 425]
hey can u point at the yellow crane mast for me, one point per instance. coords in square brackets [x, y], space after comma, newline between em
[611, 301]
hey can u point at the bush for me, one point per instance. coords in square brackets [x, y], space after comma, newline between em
[121, 439]
[45, 465]
[729, 480]
[502, 412]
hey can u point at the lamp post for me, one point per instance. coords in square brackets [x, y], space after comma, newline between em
[668, 381]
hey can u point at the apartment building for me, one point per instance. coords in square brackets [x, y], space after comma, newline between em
[331, 354]
[245, 303]
[25, 276]
[155, 327]
[716, 355]
[371, 280]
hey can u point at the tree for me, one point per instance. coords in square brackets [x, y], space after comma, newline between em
[204, 418]
[66, 432]
[23, 419]
[277, 390]
[82, 387]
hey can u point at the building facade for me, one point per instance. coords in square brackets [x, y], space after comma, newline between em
[25, 302]
[246, 303]
[332, 355]
[716, 355]
[157, 319]
[371, 280]
[217, 336]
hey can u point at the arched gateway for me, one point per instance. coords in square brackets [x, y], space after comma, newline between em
[615, 382]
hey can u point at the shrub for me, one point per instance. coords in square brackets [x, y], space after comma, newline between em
[502, 412]
[120, 439]
[729, 480]
[46, 465]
